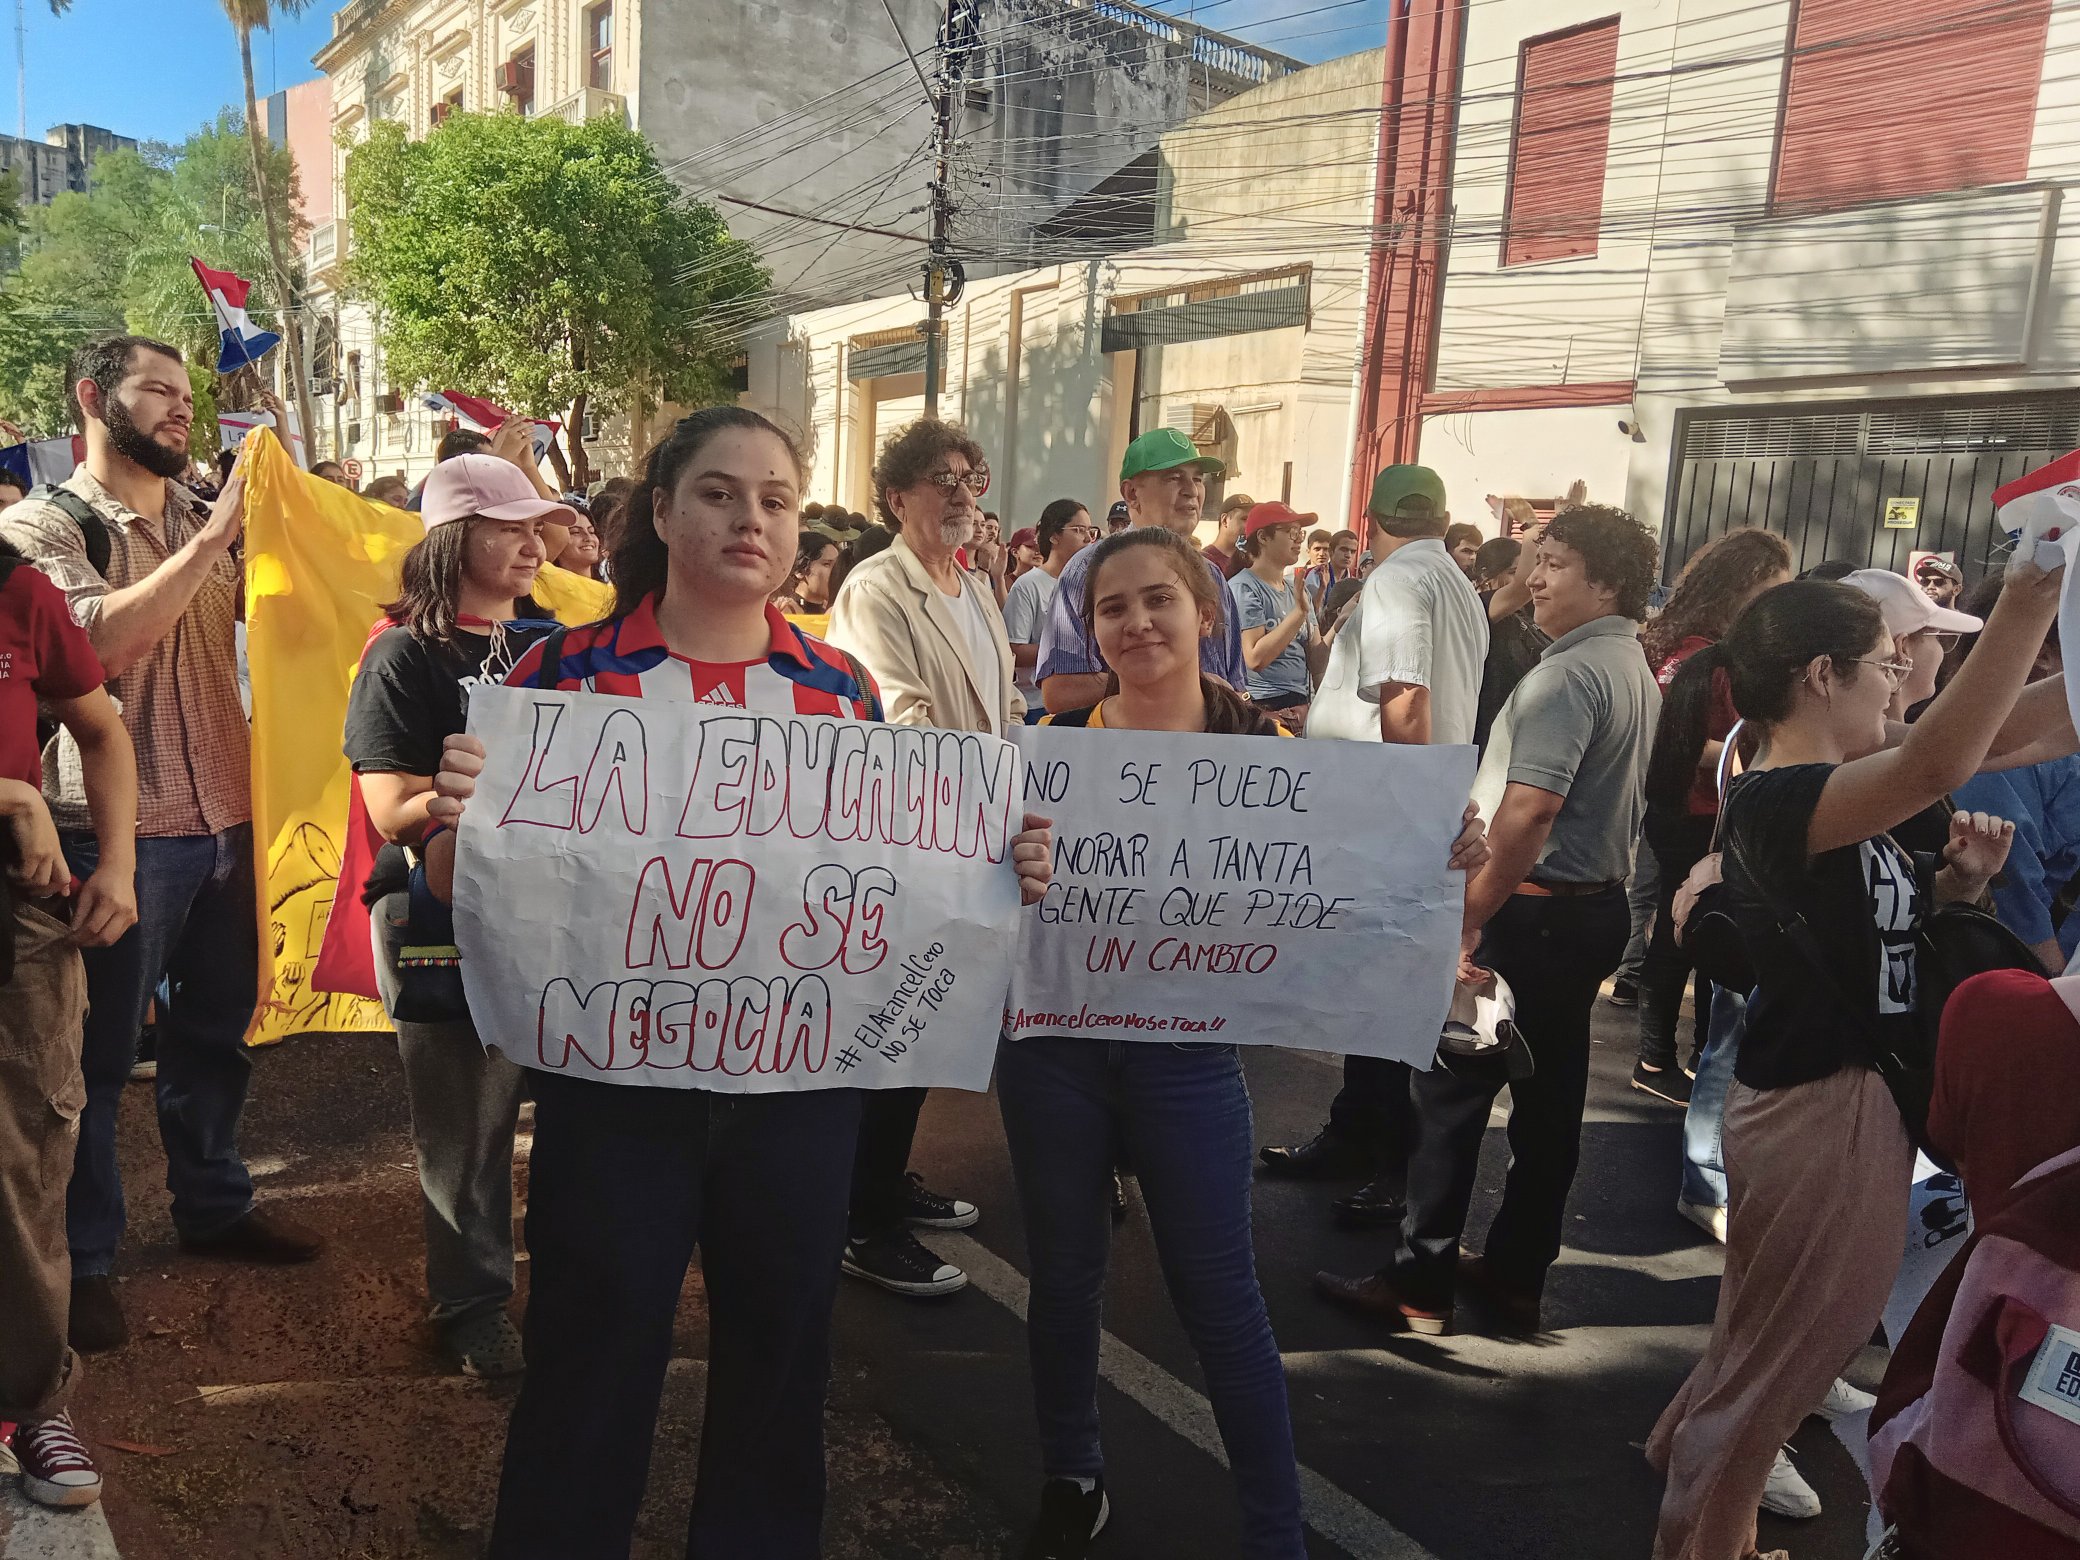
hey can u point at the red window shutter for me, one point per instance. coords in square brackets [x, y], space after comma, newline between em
[1883, 100]
[1559, 143]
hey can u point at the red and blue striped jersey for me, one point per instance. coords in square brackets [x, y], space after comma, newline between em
[800, 675]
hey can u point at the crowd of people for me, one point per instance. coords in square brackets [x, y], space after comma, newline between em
[1797, 743]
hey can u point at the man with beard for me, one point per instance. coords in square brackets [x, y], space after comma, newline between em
[931, 634]
[160, 616]
[1162, 481]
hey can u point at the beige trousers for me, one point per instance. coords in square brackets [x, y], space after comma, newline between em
[41, 1096]
[1818, 1178]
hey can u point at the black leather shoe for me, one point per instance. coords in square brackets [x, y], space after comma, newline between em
[96, 1319]
[1327, 1156]
[258, 1237]
[1376, 1205]
[1513, 1308]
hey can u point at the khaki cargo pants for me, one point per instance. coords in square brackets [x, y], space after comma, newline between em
[41, 1096]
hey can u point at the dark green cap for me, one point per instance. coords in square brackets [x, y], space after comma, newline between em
[1160, 449]
[1407, 493]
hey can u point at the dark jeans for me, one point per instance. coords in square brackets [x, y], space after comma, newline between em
[1371, 1109]
[887, 1128]
[198, 929]
[1555, 954]
[1183, 1112]
[1678, 844]
[625, 1181]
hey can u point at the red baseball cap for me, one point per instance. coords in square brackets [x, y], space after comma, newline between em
[1024, 537]
[1263, 516]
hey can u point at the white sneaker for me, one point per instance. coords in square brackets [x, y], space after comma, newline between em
[1711, 1220]
[1842, 1400]
[1787, 1493]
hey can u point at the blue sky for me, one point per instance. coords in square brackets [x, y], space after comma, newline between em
[156, 69]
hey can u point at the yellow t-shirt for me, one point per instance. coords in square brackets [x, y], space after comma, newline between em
[1096, 720]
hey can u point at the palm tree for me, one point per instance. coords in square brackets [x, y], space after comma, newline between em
[245, 15]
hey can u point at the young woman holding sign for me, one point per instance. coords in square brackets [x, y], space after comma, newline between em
[1182, 1111]
[627, 1179]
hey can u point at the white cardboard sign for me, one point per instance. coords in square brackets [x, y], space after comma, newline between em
[668, 894]
[1251, 890]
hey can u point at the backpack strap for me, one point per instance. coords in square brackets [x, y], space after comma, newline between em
[551, 667]
[93, 530]
[868, 695]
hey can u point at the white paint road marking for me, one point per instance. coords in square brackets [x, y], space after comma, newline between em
[1338, 1516]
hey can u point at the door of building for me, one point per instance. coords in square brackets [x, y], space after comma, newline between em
[1871, 483]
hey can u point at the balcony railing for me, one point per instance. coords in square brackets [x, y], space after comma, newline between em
[590, 103]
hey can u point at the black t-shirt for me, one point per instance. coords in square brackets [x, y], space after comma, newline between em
[1515, 644]
[1863, 905]
[409, 698]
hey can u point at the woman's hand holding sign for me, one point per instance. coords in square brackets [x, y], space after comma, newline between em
[1032, 852]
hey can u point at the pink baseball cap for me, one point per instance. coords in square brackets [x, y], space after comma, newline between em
[488, 485]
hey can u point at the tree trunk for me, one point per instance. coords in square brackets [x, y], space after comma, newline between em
[638, 431]
[574, 436]
[293, 366]
[560, 466]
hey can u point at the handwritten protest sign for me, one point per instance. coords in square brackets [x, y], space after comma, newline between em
[1243, 889]
[670, 894]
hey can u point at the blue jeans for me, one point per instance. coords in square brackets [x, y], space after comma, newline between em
[198, 930]
[1704, 1124]
[1183, 1113]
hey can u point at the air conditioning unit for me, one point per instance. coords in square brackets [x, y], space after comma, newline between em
[441, 111]
[390, 403]
[508, 78]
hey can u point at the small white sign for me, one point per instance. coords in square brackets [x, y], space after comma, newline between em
[2053, 1382]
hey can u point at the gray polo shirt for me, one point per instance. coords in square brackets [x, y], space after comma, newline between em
[1581, 725]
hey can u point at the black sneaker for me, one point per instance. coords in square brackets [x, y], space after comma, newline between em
[1664, 1083]
[897, 1262]
[146, 1065]
[1068, 1521]
[95, 1322]
[1623, 994]
[925, 1209]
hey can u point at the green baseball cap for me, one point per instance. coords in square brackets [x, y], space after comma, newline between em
[1160, 449]
[1407, 492]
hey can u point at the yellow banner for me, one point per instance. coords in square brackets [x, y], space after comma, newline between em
[320, 561]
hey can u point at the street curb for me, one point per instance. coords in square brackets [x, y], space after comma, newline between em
[32, 1532]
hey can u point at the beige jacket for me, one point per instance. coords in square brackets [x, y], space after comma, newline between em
[902, 626]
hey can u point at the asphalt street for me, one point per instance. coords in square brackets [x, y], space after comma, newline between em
[1461, 1448]
[303, 1414]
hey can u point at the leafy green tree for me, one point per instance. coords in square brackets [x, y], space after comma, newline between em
[546, 265]
[116, 258]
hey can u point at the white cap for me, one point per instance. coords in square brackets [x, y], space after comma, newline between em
[1906, 605]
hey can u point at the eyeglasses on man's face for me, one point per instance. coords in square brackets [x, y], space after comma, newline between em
[976, 481]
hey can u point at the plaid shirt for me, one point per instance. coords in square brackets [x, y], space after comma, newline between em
[180, 702]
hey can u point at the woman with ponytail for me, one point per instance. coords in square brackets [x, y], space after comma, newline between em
[1682, 788]
[627, 1178]
[1817, 1158]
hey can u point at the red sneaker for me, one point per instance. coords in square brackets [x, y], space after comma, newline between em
[56, 1470]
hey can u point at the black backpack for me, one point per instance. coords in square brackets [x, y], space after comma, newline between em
[93, 530]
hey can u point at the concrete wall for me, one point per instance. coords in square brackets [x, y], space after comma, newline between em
[300, 117]
[1692, 140]
[1533, 454]
[1026, 369]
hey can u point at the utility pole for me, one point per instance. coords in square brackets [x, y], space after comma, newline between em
[943, 278]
